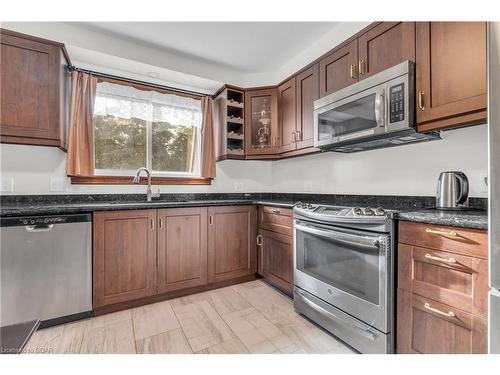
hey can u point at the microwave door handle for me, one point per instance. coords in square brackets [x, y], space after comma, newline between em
[380, 108]
[359, 242]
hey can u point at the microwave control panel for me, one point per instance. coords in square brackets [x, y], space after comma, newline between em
[397, 103]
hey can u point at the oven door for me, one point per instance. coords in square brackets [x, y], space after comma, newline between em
[357, 116]
[346, 268]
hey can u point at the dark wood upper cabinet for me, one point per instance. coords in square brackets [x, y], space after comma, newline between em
[338, 69]
[287, 115]
[307, 91]
[124, 256]
[385, 45]
[33, 91]
[451, 74]
[182, 248]
[232, 250]
[261, 122]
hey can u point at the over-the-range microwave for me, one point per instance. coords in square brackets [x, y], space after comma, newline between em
[376, 112]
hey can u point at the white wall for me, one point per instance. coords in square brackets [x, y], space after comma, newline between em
[33, 167]
[405, 170]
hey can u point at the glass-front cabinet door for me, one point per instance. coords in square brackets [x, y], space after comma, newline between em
[261, 122]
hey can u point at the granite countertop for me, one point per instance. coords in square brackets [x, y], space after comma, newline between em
[404, 208]
[70, 208]
[470, 218]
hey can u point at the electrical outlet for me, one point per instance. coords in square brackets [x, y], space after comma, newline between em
[7, 185]
[484, 183]
[238, 186]
[58, 184]
[308, 186]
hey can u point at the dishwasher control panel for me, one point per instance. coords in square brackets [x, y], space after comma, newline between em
[44, 220]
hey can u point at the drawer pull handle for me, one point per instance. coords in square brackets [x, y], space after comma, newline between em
[443, 232]
[259, 240]
[449, 314]
[275, 211]
[439, 259]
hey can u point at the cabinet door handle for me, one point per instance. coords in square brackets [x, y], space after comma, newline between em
[449, 314]
[421, 100]
[160, 223]
[362, 67]
[152, 224]
[299, 135]
[353, 71]
[294, 137]
[439, 259]
[451, 233]
[210, 220]
[259, 240]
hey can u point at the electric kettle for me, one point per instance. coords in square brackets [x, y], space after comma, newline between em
[452, 191]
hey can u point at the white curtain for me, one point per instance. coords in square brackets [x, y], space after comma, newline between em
[126, 102]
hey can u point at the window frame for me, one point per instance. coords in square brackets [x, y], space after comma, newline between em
[114, 176]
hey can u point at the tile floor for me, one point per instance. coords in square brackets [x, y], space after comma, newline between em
[244, 318]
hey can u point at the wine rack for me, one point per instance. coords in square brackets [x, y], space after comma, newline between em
[230, 112]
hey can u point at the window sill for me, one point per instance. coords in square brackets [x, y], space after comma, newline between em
[124, 180]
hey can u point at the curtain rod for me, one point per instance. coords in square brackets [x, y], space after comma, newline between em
[72, 68]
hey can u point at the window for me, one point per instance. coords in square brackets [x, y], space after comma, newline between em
[135, 128]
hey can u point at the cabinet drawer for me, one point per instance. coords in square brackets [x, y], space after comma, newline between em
[429, 327]
[276, 219]
[456, 280]
[464, 241]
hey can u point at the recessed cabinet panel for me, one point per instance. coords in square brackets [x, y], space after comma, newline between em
[451, 74]
[339, 69]
[32, 91]
[275, 259]
[307, 87]
[385, 45]
[124, 261]
[231, 242]
[287, 116]
[182, 248]
[426, 326]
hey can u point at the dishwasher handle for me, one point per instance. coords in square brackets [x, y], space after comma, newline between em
[39, 228]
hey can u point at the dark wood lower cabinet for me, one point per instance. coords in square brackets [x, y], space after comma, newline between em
[124, 259]
[144, 256]
[182, 248]
[232, 249]
[276, 259]
[429, 327]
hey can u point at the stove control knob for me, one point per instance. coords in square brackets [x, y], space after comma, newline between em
[298, 204]
[309, 206]
[369, 212]
[379, 211]
[357, 211]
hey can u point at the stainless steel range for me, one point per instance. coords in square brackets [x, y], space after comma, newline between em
[344, 273]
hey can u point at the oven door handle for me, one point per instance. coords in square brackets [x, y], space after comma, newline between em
[339, 237]
[366, 333]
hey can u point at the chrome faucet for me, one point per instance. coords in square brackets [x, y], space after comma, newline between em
[137, 179]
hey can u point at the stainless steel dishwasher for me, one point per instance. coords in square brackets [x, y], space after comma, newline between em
[46, 268]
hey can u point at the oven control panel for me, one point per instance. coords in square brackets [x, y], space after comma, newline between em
[397, 103]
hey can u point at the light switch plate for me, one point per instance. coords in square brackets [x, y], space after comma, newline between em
[7, 185]
[58, 184]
